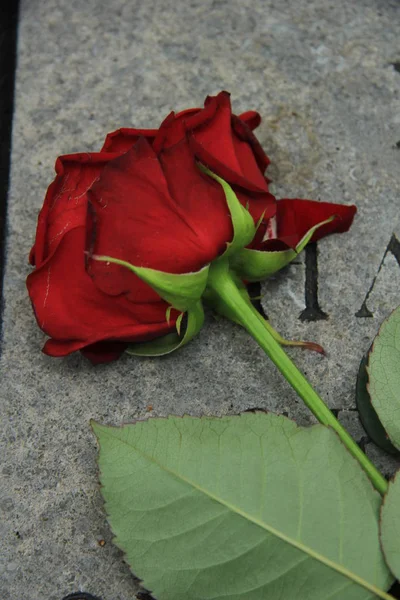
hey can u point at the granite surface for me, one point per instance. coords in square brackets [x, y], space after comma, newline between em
[325, 76]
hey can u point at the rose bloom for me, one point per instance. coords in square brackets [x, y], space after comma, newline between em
[143, 199]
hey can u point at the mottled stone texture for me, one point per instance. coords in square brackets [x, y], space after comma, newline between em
[321, 74]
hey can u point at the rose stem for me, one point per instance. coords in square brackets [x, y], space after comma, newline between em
[222, 283]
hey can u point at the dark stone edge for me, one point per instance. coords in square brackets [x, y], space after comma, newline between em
[8, 62]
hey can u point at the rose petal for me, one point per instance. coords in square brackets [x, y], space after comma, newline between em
[251, 118]
[139, 221]
[71, 310]
[295, 217]
[227, 143]
[123, 139]
[104, 352]
[173, 129]
[249, 150]
[65, 203]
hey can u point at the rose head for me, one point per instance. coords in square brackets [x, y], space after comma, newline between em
[166, 203]
[141, 199]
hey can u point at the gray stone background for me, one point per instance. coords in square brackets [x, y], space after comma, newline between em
[322, 75]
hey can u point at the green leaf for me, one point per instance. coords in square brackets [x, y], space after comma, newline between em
[368, 416]
[384, 376]
[248, 507]
[390, 526]
[242, 221]
[172, 341]
[255, 265]
[179, 290]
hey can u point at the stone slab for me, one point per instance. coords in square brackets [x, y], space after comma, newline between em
[322, 75]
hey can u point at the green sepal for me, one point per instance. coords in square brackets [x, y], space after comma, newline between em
[260, 220]
[172, 341]
[179, 290]
[255, 265]
[244, 229]
[168, 314]
[178, 323]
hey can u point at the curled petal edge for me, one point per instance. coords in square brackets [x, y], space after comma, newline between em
[256, 265]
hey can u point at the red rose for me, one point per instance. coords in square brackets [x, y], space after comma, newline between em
[145, 201]
[141, 199]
